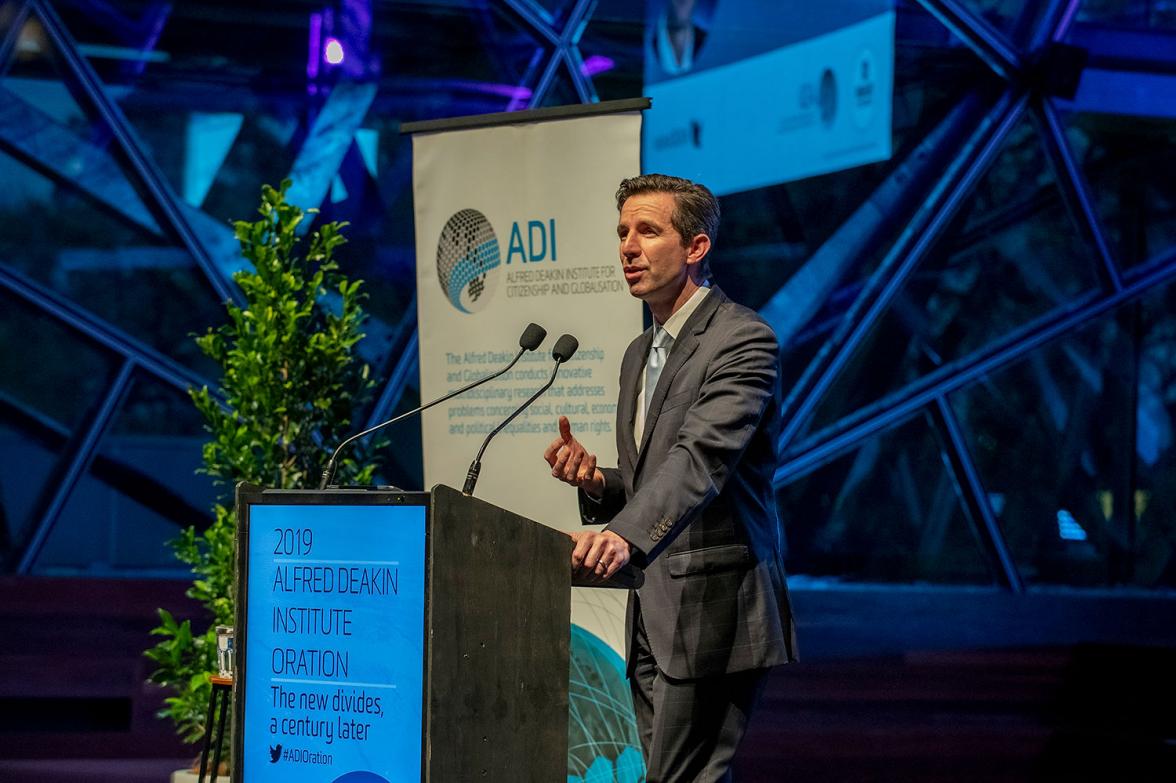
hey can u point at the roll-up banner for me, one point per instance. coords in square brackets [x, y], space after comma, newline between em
[515, 223]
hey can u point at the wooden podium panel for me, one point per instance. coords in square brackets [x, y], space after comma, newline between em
[499, 613]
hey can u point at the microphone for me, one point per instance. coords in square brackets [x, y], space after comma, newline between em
[564, 348]
[531, 338]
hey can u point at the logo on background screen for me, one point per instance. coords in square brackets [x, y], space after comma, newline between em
[467, 259]
[865, 84]
[827, 97]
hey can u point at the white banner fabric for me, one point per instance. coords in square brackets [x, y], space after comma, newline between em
[514, 224]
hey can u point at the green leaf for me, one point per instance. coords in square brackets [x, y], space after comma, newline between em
[290, 380]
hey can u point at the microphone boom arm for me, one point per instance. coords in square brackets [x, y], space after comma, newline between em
[476, 465]
[329, 470]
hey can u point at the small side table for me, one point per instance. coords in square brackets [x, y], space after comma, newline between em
[222, 690]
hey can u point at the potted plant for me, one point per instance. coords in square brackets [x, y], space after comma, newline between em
[290, 387]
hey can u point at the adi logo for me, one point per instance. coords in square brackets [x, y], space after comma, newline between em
[468, 259]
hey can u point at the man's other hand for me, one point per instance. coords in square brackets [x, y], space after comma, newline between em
[571, 463]
[597, 556]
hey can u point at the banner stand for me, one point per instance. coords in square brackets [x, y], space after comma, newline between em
[515, 222]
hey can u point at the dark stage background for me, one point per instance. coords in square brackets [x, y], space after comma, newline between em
[979, 337]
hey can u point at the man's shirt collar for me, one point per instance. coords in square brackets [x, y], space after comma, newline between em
[675, 322]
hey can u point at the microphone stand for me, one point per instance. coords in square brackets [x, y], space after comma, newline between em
[329, 470]
[476, 465]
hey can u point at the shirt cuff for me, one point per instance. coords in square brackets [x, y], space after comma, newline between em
[604, 491]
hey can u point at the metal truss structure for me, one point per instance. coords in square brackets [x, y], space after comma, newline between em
[923, 196]
[153, 205]
[1026, 90]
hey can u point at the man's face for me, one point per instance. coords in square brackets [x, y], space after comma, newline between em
[653, 259]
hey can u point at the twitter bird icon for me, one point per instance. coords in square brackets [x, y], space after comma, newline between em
[275, 753]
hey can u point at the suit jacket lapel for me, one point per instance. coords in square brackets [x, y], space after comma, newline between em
[682, 349]
[632, 365]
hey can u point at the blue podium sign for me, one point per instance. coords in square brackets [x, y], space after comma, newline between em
[333, 654]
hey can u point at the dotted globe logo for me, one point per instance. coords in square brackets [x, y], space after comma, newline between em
[467, 257]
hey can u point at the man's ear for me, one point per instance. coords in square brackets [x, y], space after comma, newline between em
[699, 246]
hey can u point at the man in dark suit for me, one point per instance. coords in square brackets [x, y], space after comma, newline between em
[691, 500]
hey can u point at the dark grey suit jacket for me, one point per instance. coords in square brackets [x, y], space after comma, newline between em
[696, 499]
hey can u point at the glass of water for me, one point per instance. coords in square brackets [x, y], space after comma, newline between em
[224, 650]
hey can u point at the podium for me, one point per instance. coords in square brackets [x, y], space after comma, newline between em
[398, 636]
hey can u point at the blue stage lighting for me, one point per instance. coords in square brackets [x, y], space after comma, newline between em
[1068, 527]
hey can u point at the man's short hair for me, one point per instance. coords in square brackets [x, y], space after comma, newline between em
[696, 210]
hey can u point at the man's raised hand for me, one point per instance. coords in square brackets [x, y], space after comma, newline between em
[571, 463]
